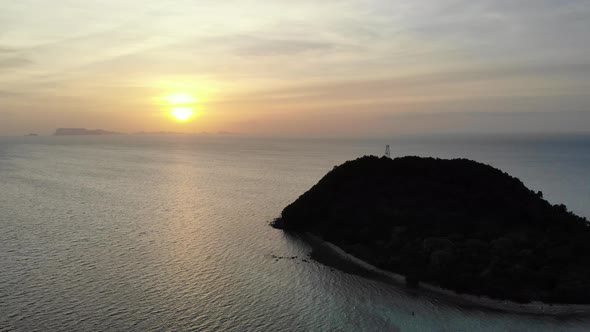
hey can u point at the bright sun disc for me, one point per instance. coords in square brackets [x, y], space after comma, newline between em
[182, 113]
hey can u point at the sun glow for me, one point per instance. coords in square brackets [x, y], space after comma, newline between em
[180, 99]
[181, 106]
[182, 114]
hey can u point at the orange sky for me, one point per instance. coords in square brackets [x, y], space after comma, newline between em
[304, 68]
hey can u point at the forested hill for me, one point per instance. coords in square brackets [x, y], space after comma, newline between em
[459, 224]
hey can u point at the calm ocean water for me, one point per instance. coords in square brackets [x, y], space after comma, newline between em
[171, 233]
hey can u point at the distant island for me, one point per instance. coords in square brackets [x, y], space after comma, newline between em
[83, 131]
[158, 133]
[32, 135]
[456, 224]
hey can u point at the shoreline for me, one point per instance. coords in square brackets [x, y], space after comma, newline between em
[331, 255]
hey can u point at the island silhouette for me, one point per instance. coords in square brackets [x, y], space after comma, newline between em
[102, 132]
[456, 224]
[83, 132]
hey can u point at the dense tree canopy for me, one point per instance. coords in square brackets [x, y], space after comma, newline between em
[459, 224]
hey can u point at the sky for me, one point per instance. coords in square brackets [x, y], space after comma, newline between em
[330, 68]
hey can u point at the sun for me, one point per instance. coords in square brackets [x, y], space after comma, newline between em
[182, 114]
[181, 106]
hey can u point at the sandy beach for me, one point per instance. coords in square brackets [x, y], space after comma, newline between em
[331, 255]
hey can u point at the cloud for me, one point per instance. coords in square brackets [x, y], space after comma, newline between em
[271, 47]
[4, 50]
[13, 62]
[416, 84]
[12, 58]
[8, 93]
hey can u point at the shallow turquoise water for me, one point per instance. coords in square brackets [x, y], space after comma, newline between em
[171, 233]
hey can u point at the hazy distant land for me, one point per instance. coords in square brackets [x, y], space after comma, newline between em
[83, 132]
[97, 132]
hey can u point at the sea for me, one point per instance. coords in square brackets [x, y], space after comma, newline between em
[171, 233]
